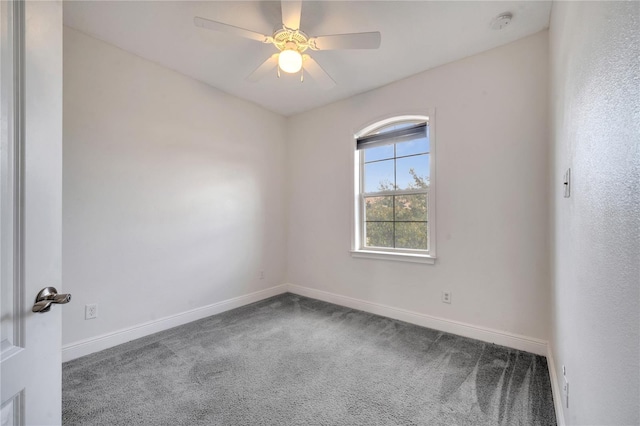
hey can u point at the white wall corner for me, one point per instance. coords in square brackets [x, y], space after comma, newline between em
[555, 387]
[108, 340]
[498, 337]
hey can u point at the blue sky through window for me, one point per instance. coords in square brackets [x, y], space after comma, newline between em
[380, 168]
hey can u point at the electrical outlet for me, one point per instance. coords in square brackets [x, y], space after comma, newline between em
[262, 275]
[565, 392]
[446, 297]
[90, 311]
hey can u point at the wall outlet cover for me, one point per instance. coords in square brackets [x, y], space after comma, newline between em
[90, 311]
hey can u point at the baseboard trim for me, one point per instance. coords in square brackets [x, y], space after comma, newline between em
[555, 387]
[108, 340]
[523, 343]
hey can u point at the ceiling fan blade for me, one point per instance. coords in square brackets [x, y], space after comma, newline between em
[230, 29]
[264, 68]
[316, 71]
[291, 11]
[346, 41]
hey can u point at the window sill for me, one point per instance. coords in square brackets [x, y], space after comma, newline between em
[400, 257]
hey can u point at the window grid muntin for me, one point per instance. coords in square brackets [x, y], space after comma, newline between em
[397, 158]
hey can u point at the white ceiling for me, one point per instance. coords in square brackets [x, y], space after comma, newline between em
[416, 36]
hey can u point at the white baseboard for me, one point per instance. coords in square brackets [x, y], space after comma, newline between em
[523, 343]
[555, 387]
[104, 341]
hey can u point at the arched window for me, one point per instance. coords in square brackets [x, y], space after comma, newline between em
[395, 191]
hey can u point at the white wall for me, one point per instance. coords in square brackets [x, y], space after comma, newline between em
[173, 191]
[595, 75]
[492, 193]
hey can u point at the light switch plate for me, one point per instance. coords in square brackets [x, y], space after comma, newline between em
[567, 183]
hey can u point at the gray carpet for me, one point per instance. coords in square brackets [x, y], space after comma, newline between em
[290, 360]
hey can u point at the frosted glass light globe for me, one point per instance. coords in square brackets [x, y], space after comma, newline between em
[290, 61]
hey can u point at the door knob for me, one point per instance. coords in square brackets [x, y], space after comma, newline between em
[48, 296]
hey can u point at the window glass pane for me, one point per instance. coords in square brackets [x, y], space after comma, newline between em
[379, 208]
[416, 146]
[411, 235]
[412, 172]
[378, 176]
[379, 234]
[411, 207]
[395, 126]
[378, 153]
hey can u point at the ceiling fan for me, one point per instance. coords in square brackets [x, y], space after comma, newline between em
[291, 43]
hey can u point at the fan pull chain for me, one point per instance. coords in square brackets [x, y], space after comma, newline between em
[278, 72]
[302, 75]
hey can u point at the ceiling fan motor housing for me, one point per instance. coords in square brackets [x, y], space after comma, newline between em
[286, 38]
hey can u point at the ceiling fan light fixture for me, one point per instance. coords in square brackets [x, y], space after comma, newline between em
[291, 44]
[290, 61]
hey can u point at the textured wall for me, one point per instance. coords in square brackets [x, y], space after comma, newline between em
[492, 172]
[172, 200]
[595, 76]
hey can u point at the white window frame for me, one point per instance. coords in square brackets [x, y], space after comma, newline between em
[404, 255]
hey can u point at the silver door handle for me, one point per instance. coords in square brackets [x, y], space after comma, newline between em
[47, 297]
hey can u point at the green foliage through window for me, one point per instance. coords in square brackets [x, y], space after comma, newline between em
[398, 221]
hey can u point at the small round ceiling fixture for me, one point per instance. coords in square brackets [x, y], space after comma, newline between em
[502, 21]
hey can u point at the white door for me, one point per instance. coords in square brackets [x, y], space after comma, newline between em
[30, 210]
